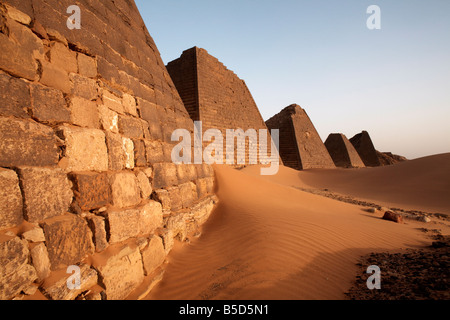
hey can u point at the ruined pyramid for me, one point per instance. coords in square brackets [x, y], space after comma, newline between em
[342, 151]
[300, 144]
[364, 146]
[215, 95]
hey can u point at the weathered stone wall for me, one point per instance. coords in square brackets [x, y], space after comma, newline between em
[216, 96]
[86, 175]
[300, 144]
[342, 151]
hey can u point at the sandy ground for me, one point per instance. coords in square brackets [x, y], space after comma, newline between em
[269, 240]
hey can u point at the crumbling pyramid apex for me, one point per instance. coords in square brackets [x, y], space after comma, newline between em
[342, 151]
[365, 148]
[300, 144]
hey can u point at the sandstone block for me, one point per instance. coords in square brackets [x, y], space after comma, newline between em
[123, 224]
[18, 15]
[164, 175]
[87, 66]
[46, 192]
[128, 149]
[131, 127]
[144, 185]
[175, 198]
[186, 193]
[41, 262]
[85, 149]
[121, 273]
[151, 217]
[91, 190]
[182, 173]
[191, 172]
[34, 235]
[154, 152]
[109, 119]
[202, 189]
[14, 97]
[48, 104]
[68, 240]
[55, 77]
[177, 224]
[167, 237]
[62, 57]
[60, 290]
[130, 223]
[140, 159]
[153, 255]
[150, 112]
[116, 152]
[98, 227]
[84, 113]
[10, 199]
[163, 197]
[129, 104]
[124, 189]
[24, 143]
[19, 57]
[113, 102]
[15, 272]
[84, 87]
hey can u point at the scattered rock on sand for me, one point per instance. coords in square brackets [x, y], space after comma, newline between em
[392, 216]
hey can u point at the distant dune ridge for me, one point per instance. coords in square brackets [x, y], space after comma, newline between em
[269, 240]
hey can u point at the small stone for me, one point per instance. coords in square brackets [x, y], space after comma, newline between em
[17, 15]
[34, 235]
[41, 262]
[144, 185]
[372, 210]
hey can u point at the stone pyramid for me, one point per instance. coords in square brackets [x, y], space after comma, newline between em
[342, 151]
[364, 146]
[300, 144]
[214, 95]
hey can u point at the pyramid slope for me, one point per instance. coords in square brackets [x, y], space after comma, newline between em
[365, 148]
[300, 144]
[342, 151]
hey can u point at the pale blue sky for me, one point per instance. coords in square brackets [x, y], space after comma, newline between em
[393, 82]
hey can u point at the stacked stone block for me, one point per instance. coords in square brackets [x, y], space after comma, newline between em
[86, 176]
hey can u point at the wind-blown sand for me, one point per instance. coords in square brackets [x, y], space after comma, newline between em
[268, 240]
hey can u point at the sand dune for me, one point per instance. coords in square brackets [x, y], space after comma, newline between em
[420, 184]
[267, 240]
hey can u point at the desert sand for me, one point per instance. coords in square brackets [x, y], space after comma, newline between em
[269, 240]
